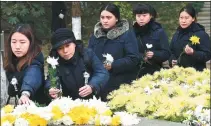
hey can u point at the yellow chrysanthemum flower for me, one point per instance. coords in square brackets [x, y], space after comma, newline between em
[36, 120]
[194, 40]
[8, 108]
[97, 121]
[115, 121]
[107, 113]
[10, 118]
[82, 114]
[57, 113]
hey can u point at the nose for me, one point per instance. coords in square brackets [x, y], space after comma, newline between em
[65, 50]
[17, 46]
[105, 20]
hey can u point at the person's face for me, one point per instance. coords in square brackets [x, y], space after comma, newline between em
[185, 19]
[67, 51]
[143, 19]
[19, 44]
[107, 19]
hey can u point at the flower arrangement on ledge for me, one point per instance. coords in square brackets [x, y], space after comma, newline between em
[65, 111]
[177, 94]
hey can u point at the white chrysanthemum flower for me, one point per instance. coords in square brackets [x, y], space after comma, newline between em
[198, 110]
[105, 120]
[67, 120]
[128, 119]
[100, 106]
[186, 86]
[55, 122]
[147, 90]
[64, 103]
[14, 81]
[7, 123]
[21, 122]
[109, 58]
[149, 46]
[2, 113]
[52, 61]
[20, 109]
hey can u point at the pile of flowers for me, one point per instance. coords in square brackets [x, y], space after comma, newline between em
[177, 94]
[65, 111]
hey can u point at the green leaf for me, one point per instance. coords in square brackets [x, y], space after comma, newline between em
[13, 20]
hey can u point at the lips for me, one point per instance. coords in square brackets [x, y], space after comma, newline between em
[17, 51]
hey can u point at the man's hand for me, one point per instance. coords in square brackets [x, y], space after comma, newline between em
[85, 91]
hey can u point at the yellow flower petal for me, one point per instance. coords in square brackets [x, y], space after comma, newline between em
[194, 40]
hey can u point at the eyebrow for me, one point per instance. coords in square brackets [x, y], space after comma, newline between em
[20, 40]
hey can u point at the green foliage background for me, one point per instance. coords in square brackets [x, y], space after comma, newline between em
[39, 15]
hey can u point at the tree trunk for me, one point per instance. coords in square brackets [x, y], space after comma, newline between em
[4, 84]
[76, 19]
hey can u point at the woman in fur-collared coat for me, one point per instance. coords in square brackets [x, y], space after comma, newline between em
[112, 36]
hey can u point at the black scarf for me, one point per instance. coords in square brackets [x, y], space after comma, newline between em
[143, 30]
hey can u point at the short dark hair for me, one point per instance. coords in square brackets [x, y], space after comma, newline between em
[33, 50]
[190, 10]
[112, 8]
[143, 9]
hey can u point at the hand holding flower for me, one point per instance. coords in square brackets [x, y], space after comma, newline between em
[53, 92]
[174, 62]
[189, 50]
[85, 91]
[194, 40]
[107, 66]
[149, 54]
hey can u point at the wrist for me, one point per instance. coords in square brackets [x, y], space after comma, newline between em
[25, 93]
[93, 89]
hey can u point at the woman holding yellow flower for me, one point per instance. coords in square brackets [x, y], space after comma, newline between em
[190, 45]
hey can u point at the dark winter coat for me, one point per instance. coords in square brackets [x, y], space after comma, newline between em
[30, 78]
[57, 8]
[70, 73]
[152, 33]
[122, 45]
[201, 51]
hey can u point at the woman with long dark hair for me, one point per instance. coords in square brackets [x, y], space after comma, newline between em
[24, 65]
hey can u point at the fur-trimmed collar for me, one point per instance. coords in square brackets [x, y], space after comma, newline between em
[120, 28]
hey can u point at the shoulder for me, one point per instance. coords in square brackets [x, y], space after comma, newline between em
[38, 60]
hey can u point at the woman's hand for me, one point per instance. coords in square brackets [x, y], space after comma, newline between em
[149, 54]
[189, 50]
[24, 100]
[107, 66]
[85, 91]
[53, 92]
[174, 62]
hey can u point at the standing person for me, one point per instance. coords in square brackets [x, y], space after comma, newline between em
[58, 15]
[184, 52]
[73, 63]
[112, 36]
[24, 66]
[152, 40]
